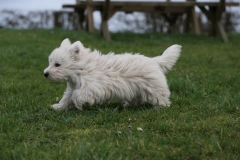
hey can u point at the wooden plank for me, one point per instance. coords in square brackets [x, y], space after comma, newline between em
[104, 25]
[155, 9]
[206, 12]
[104, 30]
[220, 9]
[222, 32]
[90, 21]
[106, 9]
[100, 4]
[194, 21]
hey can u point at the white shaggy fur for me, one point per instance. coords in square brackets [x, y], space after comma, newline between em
[95, 78]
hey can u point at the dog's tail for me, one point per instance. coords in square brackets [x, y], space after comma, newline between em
[169, 57]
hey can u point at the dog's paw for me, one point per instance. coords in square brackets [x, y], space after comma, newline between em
[79, 107]
[58, 106]
[126, 104]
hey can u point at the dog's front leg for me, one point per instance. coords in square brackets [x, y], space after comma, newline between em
[65, 102]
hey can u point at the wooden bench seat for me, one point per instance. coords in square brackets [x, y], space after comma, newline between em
[213, 11]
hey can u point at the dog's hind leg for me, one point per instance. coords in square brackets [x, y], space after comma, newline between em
[134, 102]
[77, 100]
[81, 96]
[162, 101]
[159, 98]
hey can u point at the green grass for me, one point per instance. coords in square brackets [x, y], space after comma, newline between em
[203, 121]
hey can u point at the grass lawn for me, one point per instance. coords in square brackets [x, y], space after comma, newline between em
[203, 121]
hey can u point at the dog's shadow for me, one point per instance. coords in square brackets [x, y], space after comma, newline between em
[116, 107]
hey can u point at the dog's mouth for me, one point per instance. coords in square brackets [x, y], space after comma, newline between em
[48, 76]
[54, 79]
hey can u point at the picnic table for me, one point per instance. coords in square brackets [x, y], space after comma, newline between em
[170, 11]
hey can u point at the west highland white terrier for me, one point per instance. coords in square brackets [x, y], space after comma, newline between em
[95, 78]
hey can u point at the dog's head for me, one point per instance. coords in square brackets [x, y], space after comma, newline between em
[62, 61]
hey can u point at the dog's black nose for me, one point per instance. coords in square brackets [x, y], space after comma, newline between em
[46, 74]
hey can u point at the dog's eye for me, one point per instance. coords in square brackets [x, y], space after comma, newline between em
[56, 64]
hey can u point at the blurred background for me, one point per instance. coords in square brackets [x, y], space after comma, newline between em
[47, 14]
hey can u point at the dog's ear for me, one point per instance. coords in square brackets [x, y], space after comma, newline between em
[65, 43]
[76, 49]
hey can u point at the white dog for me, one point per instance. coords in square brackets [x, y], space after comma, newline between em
[95, 78]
